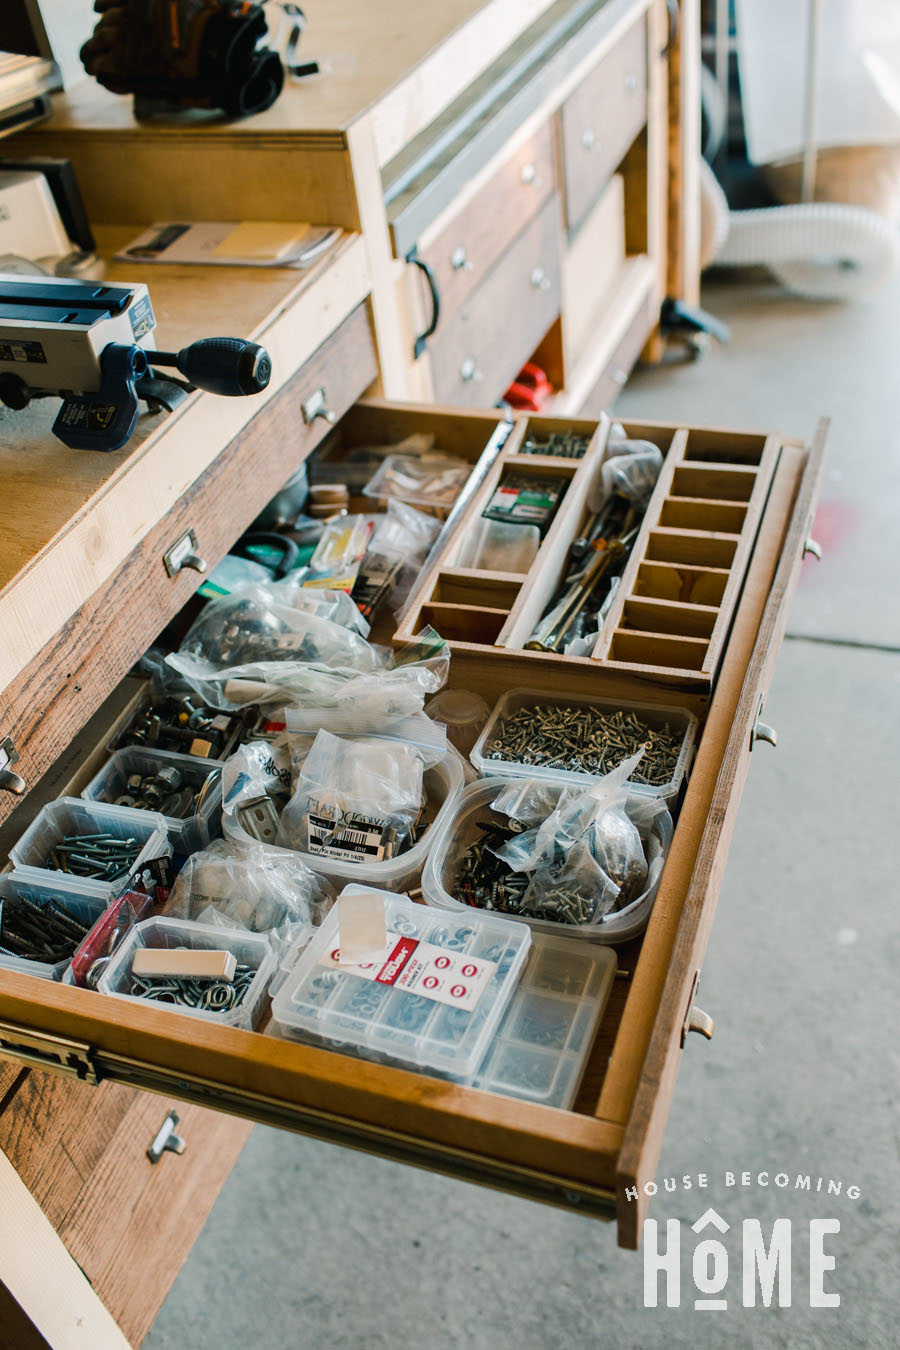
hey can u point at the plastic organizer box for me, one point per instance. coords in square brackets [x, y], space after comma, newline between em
[461, 829]
[68, 892]
[186, 834]
[656, 716]
[433, 1001]
[73, 816]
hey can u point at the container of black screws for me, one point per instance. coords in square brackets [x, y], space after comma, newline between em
[569, 737]
[462, 871]
[100, 844]
[185, 790]
[42, 923]
[240, 1002]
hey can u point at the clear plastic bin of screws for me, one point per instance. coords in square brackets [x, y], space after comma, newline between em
[187, 726]
[468, 825]
[537, 735]
[42, 923]
[375, 1010]
[542, 1045]
[239, 1003]
[185, 790]
[99, 843]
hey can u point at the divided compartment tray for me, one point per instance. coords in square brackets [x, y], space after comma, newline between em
[671, 612]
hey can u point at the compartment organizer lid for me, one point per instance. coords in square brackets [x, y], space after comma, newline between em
[433, 999]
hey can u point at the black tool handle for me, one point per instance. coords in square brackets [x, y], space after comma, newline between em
[223, 365]
[419, 344]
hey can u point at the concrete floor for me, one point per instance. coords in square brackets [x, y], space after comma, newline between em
[310, 1246]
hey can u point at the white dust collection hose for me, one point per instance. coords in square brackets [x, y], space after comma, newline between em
[820, 250]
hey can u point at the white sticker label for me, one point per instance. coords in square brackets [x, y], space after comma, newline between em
[424, 969]
[351, 837]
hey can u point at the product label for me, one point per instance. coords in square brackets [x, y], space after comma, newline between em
[525, 505]
[353, 837]
[141, 316]
[422, 968]
[31, 352]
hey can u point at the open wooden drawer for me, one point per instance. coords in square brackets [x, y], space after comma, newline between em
[589, 1158]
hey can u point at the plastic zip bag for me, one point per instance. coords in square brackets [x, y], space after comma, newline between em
[424, 478]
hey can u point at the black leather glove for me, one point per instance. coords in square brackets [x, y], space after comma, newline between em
[184, 54]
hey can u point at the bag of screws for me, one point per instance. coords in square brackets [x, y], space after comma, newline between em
[415, 473]
[251, 887]
[356, 799]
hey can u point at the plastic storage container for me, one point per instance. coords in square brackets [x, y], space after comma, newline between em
[679, 720]
[73, 816]
[443, 784]
[70, 893]
[462, 713]
[187, 834]
[460, 830]
[249, 949]
[542, 1045]
[374, 1010]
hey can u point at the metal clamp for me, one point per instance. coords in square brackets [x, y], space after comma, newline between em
[695, 1019]
[183, 554]
[814, 547]
[166, 1140]
[9, 781]
[317, 406]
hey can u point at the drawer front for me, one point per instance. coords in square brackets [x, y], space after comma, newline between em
[82, 1152]
[585, 1157]
[600, 121]
[620, 365]
[61, 687]
[463, 253]
[476, 356]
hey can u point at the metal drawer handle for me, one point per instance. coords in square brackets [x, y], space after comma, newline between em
[183, 554]
[317, 406]
[701, 1022]
[619, 376]
[763, 732]
[459, 259]
[530, 175]
[814, 547]
[469, 372]
[9, 781]
[631, 82]
[166, 1141]
[539, 280]
[425, 268]
[589, 141]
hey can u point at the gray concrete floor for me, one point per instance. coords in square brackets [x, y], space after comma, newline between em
[312, 1246]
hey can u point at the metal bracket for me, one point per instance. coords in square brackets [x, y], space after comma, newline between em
[183, 553]
[9, 781]
[695, 1019]
[166, 1140]
[40, 1050]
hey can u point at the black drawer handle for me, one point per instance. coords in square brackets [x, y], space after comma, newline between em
[419, 344]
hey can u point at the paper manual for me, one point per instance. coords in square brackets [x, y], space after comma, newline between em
[229, 243]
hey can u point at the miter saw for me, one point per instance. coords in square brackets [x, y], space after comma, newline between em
[88, 343]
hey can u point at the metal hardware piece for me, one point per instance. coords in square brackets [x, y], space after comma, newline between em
[529, 175]
[317, 406]
[589, 140]
[9, 781]
[539, 279]
[41, 1050]
[814, 547]
[695, 1019]
[469, 372]
[425, 268]
[631, 82]
[761, 730]
[183, 553]
[166, 1141]
[460, 260]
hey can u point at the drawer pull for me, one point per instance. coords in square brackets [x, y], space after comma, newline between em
[619, 376]
[539, 280]
[9, 781]
[419, 344]
[701, 1022]
[631, 82]
[763, 732]
[184, 554]
[166, 1140]
[469, 372]
[317, 406]
[814, 547]
[589, 141]
[459, 260]
[530, 175]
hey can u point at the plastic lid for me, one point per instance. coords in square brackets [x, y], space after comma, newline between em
[458, 707]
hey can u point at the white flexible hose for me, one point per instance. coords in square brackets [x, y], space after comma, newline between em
[821, 250]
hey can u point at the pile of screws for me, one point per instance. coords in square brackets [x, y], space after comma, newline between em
[100, 857]
[488, 882]
[45, 932]
[565, 444]
[583, 740]
[218, 996]
[166, 791]
[193, 728]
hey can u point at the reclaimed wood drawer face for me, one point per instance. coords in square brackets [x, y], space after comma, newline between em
[585, 1158]
[466, 249]
[601, 119]
[484, 345]
[62, 686]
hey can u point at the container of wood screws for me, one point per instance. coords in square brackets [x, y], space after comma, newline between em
[238, 1002]
[537, 735]
[462, 871]
[43, 923]
[185, 790]
[100, 844]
